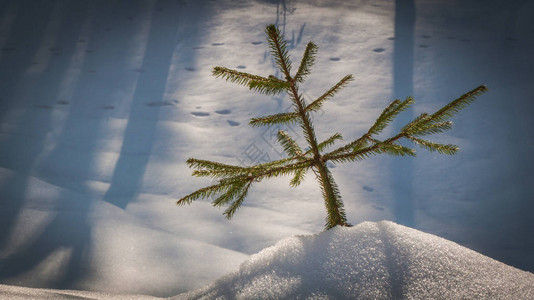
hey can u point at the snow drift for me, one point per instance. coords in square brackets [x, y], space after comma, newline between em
[370, 261]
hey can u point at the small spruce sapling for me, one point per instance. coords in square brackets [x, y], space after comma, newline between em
[234, 182]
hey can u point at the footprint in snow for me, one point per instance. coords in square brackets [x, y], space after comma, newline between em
[368, 188]
[223, 112]
[378, 207]
[217, 44]
[241, 67]
[200, 114]
[160, 103]
[232, 123]
[391, 38]
[335, 58]
[379, 50]
[257, 43]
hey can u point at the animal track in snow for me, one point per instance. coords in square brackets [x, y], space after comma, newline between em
[232, 123]
[223, 111]
[241, 67]
[200, 114]
[257, 43]
[160, 103]
[377, 207]
[367, 188]
[379, 50]
[217, 44]
[335, 58]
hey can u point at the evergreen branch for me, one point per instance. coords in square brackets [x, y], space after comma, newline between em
[455, 106]
[299, 176]
[395, 149]
[318, 103]
[290, 146]
[417, 124]
[273, 86]
[210, 165]
[236, 76]
[272, 164]
[229, 212]
[388, 114]
[357, 153]
[329, 141]
[281, 118]
[269, 86]
[279, 52]
[334, 204]
[230, 192]
[282, 170]
[203, 193]
[354, 146]
[307, 62]
[448, 149]
[433, 128]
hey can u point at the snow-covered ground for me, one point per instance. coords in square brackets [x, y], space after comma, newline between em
[380, 260]
[101, 103]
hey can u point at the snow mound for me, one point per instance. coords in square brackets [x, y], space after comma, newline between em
[72, 241]
[23, 293]
[370, 261]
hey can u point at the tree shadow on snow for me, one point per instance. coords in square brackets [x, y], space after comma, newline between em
[69, 230]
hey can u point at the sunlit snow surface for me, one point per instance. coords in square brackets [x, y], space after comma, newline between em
[380, 260]
[102, 102]
[373, 260]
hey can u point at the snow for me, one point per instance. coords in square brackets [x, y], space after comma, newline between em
[372, 260]
[102, 102]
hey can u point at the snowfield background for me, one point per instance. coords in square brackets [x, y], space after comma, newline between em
[102, 102]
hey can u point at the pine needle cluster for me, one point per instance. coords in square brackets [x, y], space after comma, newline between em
[234, 182]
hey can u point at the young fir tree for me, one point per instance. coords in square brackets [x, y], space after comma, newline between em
[234, 182]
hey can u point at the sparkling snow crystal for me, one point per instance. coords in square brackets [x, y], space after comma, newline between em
[370, 261]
